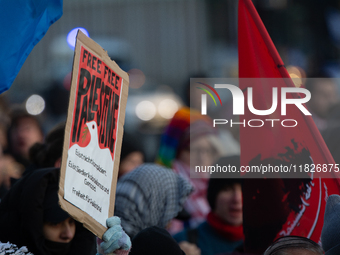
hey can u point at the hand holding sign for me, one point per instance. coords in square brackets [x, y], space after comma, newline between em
[115, 237]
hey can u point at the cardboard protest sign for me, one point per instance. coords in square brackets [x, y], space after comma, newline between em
[93, 136]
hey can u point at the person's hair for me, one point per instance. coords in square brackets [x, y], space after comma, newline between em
[216, 185]
[157, 238]
[284, 245]
[219, 182]
[46, 154]
[18, 114]
[130, 145]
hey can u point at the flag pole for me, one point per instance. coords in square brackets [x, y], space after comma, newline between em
[268, 41]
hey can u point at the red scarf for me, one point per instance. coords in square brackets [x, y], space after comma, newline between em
[230, 232]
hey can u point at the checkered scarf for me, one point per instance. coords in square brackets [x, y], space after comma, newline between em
[150, 195]
[197, 204]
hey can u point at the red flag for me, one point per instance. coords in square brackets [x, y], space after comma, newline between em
[281, 206]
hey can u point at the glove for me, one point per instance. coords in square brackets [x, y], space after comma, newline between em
[115, 238]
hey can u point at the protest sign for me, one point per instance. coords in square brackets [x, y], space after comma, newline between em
[93, 136]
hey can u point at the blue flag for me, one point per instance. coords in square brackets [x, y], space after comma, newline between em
[22, 25]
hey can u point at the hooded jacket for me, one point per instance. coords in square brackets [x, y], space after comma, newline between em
[22, 215]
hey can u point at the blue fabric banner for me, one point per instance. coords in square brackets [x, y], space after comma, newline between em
[22, 25]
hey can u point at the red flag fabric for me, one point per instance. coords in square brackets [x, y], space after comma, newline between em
[275, 207]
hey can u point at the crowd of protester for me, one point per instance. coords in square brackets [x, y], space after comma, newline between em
[161, 207]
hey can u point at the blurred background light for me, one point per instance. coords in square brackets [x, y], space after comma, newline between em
[145, 110]
[71, 36]
[35, 105]
[297, 74]
[167, 108]
[136, 78]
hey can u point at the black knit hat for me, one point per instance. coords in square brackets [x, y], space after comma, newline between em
[217, 183]
[52, 210]
[154, 241]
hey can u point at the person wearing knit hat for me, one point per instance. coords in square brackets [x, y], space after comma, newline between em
[330, 235]
[154, 241]
[222, 231]
[190, 140]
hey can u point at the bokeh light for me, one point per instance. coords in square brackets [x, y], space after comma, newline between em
[136, 78]
[297, 74]
[35, 105]
[71, 36]
[145, 110]
[167, 108]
